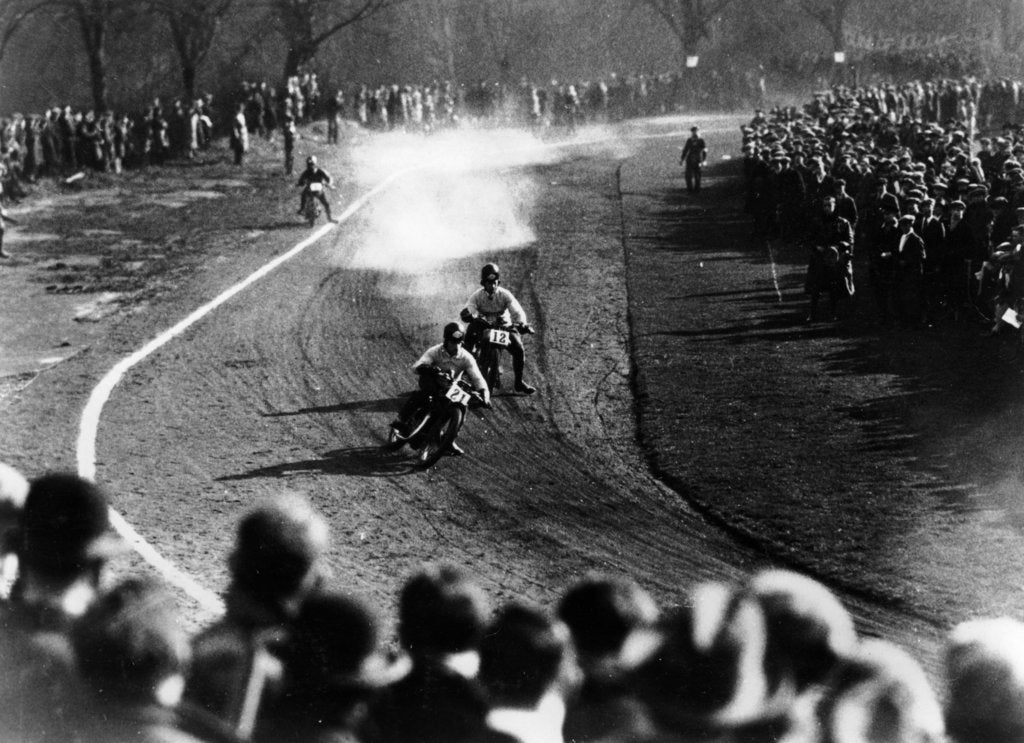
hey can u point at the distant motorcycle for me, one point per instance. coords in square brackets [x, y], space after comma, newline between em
[311, 204]
[432, 429]
[495, 338]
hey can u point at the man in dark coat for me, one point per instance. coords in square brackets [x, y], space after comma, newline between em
[933, 233]
[693, 157]
[882, 249]
[829, 260]
[908, 274]
[790, 191]
[846, 206]
[956, 266]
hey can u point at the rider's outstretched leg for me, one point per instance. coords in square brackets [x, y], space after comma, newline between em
[515, 347]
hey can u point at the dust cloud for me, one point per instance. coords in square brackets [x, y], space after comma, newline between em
[461, 193]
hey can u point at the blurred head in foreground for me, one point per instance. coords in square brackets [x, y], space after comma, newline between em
[63, 542]
[278, 551]
[131, 648]
[881, 695]
[442, 611]
[809, 630]
[707, 674]
[606, 616]
[984, 663]
[13, 491]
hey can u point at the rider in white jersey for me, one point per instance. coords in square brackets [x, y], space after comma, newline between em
[448, 357]
[494, 305]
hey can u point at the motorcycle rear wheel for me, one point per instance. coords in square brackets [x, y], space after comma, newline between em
[441, 438]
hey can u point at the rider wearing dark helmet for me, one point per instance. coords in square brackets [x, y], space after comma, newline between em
[495, 305]
[446, 357]
[315, 174]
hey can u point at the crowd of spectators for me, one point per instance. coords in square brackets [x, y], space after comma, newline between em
[297, 657]
[908, 196]
[62, 141]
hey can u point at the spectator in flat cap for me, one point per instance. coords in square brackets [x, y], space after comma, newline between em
[872, 216]
[959, 248]
[1004, 219]
[63, 543]
[882, 252]
[442, 616]
[790, 194]
[708, 675]
[846, 205]
[333, 668]
[612, 621]
[880, 695]
[984, 668]
[275, 564]
[528, 669]
[829, 263]
[933, 232]
[13, 491]
[980, 218]
[132, 652]
[908, 276]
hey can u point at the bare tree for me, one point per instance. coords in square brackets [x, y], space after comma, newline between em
[94, 21]
[436, 21]
[307, 24]
[193, 25]
[831, 15]
[691, 21]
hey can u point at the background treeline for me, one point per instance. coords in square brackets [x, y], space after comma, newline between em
[122, 53]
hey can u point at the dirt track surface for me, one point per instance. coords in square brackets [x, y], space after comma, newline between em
[664, 346]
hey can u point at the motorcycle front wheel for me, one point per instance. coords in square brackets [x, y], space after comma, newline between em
[440, 439]
[395, 440]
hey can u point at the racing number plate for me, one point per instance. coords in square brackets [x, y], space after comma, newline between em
[457, 395]
[497, 337]
[316, 187]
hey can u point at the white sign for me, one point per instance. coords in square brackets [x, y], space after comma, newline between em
[839, 57]
[691, 60]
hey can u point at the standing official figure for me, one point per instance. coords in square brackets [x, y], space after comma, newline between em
[693, 157]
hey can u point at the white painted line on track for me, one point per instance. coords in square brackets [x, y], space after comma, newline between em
[86, 447]
[775, 273]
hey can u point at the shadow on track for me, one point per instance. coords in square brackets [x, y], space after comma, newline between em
[381, 405]
[362, 461]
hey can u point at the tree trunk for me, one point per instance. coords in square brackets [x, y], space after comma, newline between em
[94, 39]
[188, 79]
[298, 56]
[448, 41]
[98, 77]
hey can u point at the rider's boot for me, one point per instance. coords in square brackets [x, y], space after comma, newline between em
[521, 386]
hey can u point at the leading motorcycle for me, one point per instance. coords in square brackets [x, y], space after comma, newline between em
[433, 428]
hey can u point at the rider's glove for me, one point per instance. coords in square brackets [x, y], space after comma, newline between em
[527, 329]
[466, 315]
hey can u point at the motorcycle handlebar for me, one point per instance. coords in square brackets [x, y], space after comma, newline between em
[521, 327]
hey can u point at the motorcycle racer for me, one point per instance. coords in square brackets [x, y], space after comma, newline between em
[494, 305]
[315, 174]
[448, 357]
